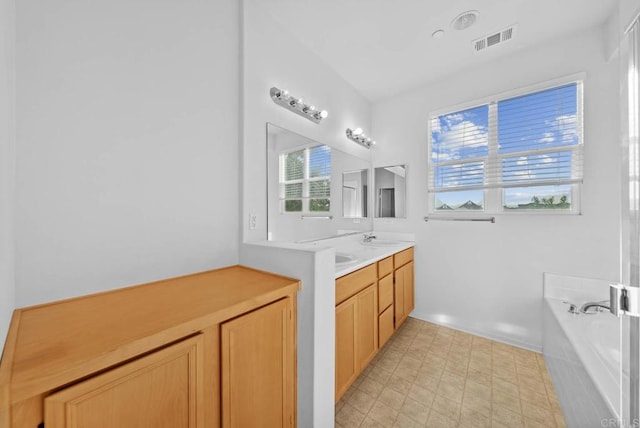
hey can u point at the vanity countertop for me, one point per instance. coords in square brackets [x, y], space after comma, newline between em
[365, 255]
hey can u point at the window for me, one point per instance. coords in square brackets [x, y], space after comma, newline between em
[518, 153]
[305, 180]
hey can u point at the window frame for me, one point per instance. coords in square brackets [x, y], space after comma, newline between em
[493, 193]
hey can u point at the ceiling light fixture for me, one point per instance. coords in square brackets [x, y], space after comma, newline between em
[296, 105]
[465, 20]
[357, 136]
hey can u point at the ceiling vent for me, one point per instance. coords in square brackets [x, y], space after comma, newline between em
[494, 39]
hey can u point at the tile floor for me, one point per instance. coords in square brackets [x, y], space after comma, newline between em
[432, 376]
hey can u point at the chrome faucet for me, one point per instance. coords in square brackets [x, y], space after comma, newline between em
[368, 237]
[599, 307]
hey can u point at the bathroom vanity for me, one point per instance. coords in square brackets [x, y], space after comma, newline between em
[217, 348]
[371, 303]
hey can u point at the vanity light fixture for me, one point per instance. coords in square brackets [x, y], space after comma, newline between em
[357, 136]
[296, 105]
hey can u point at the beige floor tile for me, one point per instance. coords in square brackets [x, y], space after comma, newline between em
[415, 410]
[434, 376]
[399, 384]
[472, 419]
[421, 395]
[349, 417]
[506, 400]
[437, 420]
[481, 405]
[447, 407]
[406, 373]
[537, 413]
[506, 416]
[391, 398]
[383, 414]
[371, 423]
[404, 421]
[371, 387]
[361, 401]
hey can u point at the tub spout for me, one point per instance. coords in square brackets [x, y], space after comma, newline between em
[596, 306]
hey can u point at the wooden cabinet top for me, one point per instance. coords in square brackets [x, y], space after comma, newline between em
[57, 343]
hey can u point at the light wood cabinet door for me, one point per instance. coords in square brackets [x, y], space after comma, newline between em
[346, 345]
[385, 326]
[258, 368]
[385, 292]
[403, 293]
[367, 326]
[409, 288]
[161, 390]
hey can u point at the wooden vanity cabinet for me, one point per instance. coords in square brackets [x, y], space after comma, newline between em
[205, 350]
[371, 303]
[356, 325]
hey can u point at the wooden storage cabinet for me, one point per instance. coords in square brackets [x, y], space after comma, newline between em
[356, 325]
[206, 350]
[258, 368]
[371, 303]
[163, 390]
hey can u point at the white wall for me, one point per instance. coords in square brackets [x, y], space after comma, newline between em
[7, 162]
[487, 278]
[272, 57]
[316, 323]
[127, 133]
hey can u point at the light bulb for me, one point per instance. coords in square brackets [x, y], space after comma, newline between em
[324, 114]
[357, 131]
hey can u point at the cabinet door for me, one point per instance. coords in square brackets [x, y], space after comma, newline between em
[403, 293]
[346, 345]
[367, 326]
[258, 368]
[409, 288]
[398, 297]
[385, 292]
[161, 390]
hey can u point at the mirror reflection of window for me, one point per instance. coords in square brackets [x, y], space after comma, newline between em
[390, 191]
[305, 180]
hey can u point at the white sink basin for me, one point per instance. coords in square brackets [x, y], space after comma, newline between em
[382, 243]
[344, 259]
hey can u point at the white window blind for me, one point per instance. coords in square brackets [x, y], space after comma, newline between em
[305, 180]
[522, 153]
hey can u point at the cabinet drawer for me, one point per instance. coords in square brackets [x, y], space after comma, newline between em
[385, 326]
[403, 257]
[385, 292]
[350, 284]
[385, 266]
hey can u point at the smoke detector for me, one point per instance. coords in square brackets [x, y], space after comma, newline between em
[465, 20]
[494, 39]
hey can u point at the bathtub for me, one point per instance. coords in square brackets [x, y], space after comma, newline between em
[583, 356]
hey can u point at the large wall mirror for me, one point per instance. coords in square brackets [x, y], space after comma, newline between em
[390, 191]
[306, 182]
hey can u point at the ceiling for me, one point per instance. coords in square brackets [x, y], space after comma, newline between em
[382, 47]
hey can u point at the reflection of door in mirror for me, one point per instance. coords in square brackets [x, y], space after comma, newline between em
[390, 191]
[386, 203]
[354, 194]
